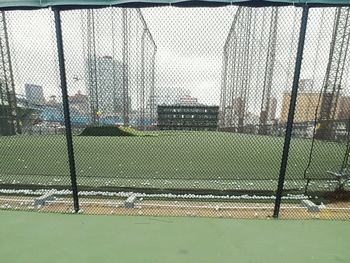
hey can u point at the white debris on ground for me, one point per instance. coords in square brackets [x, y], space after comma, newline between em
[310, 206]
[48, 196]
[130, 201]
[65, 192]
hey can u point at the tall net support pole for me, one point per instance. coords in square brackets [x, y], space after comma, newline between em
[226, 88]
[92, 65]
[222, 122]
[125, 22]
[7, 86]
[152, 96]
[144, 31]
[148, 53]
[63, 80]
[292, 106]
[236, 71]
[270, 64]
[337, 66]
[246, 69]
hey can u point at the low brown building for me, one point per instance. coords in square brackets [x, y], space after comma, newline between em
[344, 108]
[305, 108]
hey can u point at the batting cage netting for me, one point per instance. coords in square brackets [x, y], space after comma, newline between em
[233, 111]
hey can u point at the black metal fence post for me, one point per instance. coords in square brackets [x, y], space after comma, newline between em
[67, 121]
[291, 112]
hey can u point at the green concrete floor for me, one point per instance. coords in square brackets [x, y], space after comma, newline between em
[37, 237]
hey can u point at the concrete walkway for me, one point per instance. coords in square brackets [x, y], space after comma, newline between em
[37, 237]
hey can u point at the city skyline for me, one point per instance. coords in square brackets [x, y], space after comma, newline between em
[192, 59]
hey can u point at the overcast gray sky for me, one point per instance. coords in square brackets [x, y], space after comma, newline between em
[189, 55]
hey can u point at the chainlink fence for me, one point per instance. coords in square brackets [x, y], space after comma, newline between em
[177, 111]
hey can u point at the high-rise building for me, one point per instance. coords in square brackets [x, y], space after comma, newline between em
[34, 93]
[106, 90]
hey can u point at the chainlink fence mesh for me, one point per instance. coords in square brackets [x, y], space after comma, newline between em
[176, 111]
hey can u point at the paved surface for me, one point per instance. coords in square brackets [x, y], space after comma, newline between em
[38, 237]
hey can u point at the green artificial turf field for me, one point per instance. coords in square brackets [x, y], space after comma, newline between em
[39, 238]
[192, 159]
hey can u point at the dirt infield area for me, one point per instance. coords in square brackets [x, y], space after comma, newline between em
[258, 210]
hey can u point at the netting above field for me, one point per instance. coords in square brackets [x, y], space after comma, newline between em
[21, 4]
[166, 100]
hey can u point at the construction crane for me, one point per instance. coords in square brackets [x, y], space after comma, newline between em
[336, 68]
[269, 68]
[7, 86]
